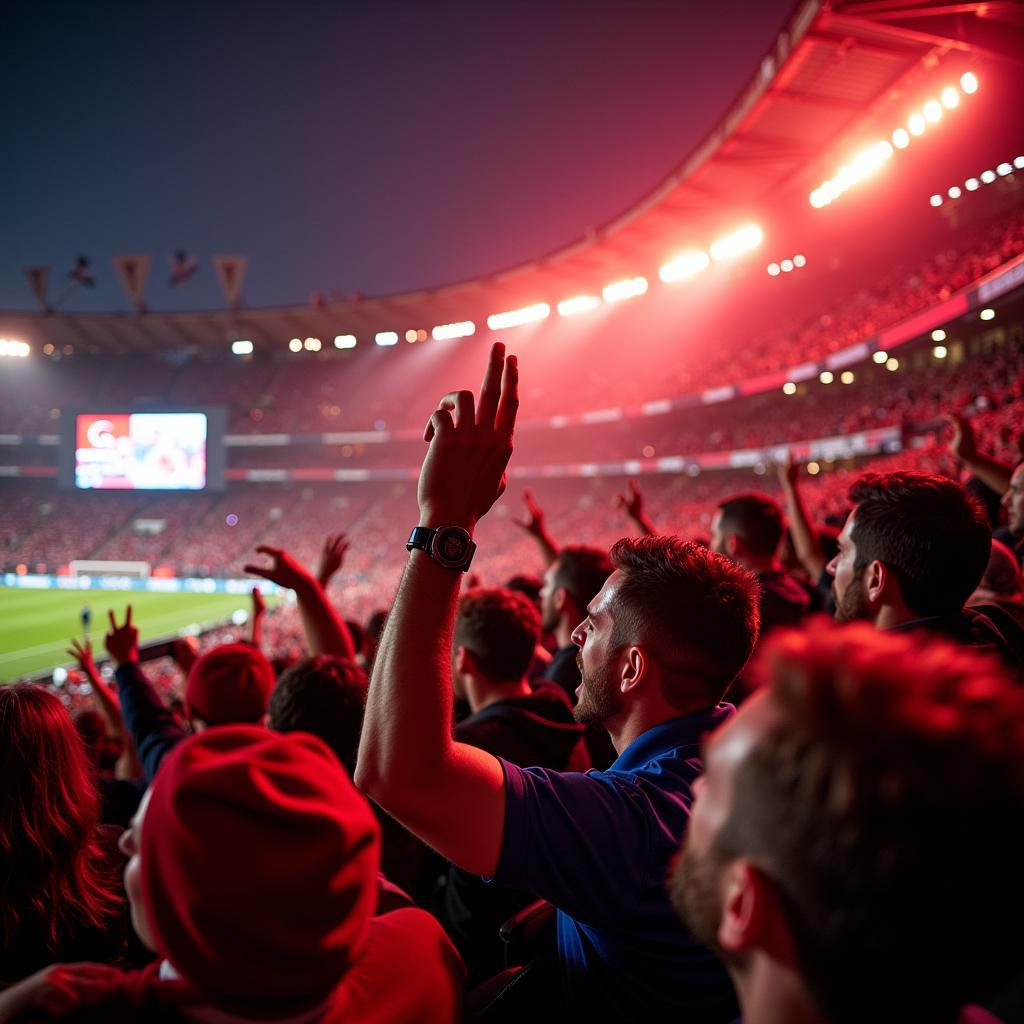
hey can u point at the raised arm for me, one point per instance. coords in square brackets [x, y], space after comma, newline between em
[332, 555]
[963, 445]
[326, 632]
[535, 525]
[450, 794]
[806, 542]
[632, 503]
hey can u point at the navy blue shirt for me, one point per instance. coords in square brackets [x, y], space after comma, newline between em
[598, 846]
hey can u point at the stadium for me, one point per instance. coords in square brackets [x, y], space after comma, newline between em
[811, 292]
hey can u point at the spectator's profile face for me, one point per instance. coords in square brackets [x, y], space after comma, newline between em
[847, 581]
[597, 697]
[696, 882]
[1013, 502]
[130, 844]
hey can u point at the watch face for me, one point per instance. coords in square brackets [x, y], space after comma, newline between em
[451, 545]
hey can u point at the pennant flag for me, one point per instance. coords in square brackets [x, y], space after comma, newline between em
[81, 274]
[231, 272]
[39, 279]
[133, 271]
[183, 266]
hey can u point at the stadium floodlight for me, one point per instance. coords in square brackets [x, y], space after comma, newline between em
[1004, 169]
[972, 184]
[10, 348]
[684, 265]
[901, 138]
[241, 347]
[866, 162]
[462, 329]
[345, 341]
[410, 335]
[799, 260]
[988, 177]
[987, 314]
[789, 388]
[737, 242]
[626, 289]
[916, 123]
[940, 351]
[295, 345]
[847, 377]
[774, 269]
[880, 357]
[950, 97]
[826, 377]
[938, 334]
[786, 265]
[312, 345]
[933, 111]
[936, 200]
[954, 192]
[1018, 162]
[813, 468]
[386, 338]
[517, 317]
[892, 364]
[969, 82]
[578, 304]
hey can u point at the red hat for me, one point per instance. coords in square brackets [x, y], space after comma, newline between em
[258, 868]
[232, 683]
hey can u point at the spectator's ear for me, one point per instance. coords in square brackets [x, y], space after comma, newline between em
[752, 915]
[560, 598]
[463, 661]
[636, 668]
[733, 546]
[880, 584]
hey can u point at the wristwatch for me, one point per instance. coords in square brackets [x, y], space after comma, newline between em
[450, 546]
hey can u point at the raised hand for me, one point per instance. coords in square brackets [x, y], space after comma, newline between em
[787, 470]
[533, 522]
[82, 653]
[283, 570]
[57, 991]
[122, 642]
[632, 501]
[259, 605]
[332, 556]
[470, 443]
[962, 445]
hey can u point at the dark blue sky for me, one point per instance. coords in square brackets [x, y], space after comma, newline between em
[380, 146]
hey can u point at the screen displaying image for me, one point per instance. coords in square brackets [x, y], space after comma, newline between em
[141, 450]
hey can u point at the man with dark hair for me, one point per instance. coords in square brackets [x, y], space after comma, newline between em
[913, 550]
[749, 528]
[596, 845]
[855, 846]
[571, 582]
[496, 632]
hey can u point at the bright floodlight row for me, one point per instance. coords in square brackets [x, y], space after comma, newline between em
[12, 349]
[787, 266]
[985, 178]
[871, 159]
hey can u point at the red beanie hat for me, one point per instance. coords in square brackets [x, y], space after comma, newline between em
[232, 683]
[258, 867]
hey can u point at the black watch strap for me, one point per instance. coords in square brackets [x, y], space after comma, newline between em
[450, 546]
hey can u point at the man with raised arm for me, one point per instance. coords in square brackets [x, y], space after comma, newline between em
[660, 644]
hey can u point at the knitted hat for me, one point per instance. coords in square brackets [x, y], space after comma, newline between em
[232, 683]
[258, 868]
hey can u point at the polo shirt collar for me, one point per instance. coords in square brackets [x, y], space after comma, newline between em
[684, 731]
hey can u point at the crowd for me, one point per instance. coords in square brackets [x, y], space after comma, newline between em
[741, 760]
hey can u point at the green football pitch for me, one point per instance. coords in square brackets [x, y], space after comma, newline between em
[36, 625]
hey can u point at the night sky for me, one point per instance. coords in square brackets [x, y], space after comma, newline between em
[377, 147]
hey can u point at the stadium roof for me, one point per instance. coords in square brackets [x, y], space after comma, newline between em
[833, 68]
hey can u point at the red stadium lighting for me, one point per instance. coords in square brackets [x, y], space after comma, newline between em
[12, 349]
[901, 138]
[738, 242]
[627, 289]
[577, 305]
[972, 184]
[295, 345]
[410, 335]
[683, 266]
[345, 341]
[446, 332]
[786, 265]
[789, 388]
[517, 317]
[774, 269]
[863, 164]
[799, 260]
[1004, 169]
[916, 124]
[386, 338]
[933, 111]
[312, 345]
[954, 192]
[988, 177]
[969, 82]
[950, 98]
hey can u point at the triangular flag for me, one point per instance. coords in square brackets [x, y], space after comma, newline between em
[133, 271]
[231, 272]
[39, 279]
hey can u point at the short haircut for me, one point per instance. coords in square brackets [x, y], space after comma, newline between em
[500, 628]
[695, 611]
[756, 519]
[325, 696]
[885, 803]
[928, 531]
[528, 585]
[581, 571]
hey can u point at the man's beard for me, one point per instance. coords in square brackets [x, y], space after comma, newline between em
[694, 889]
[854, 604]
[599, 699]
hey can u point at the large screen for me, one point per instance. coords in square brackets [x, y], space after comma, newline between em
[153, 450]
